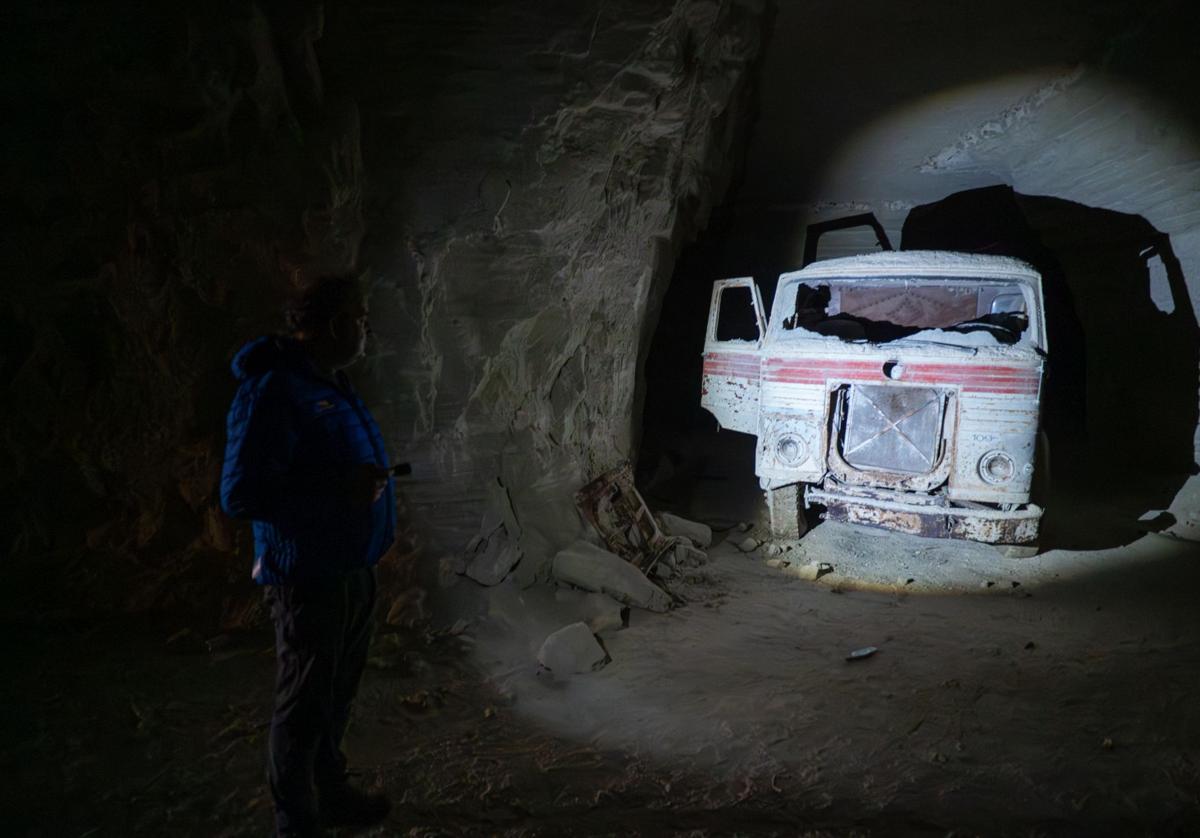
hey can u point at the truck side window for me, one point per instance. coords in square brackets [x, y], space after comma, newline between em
[735, 319]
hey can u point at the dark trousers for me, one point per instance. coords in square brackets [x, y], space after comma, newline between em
[322, 630]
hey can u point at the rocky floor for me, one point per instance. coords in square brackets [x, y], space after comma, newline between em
[1056, 706]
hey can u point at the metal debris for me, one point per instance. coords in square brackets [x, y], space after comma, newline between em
[613, 505]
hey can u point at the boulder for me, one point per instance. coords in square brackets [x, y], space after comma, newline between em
[699, 534]
[600, 611]
[595, 569]
[571, 650]
[494, 559]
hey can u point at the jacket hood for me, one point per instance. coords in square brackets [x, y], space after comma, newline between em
[262, 355]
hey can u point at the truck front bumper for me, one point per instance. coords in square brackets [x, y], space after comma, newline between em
[929, 516]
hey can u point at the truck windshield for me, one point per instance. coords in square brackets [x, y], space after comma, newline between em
[880, 310]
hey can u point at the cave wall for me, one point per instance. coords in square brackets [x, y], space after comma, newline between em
[517, 178]
[170, 171]
[534, 171]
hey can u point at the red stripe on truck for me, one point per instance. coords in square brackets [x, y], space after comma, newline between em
[980, 379]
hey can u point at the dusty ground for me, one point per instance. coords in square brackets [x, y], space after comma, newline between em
[1062, 706]
[1058, 700]
[1039, 704]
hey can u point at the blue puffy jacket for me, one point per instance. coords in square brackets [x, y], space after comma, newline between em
[293, 437]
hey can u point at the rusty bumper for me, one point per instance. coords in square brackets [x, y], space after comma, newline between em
[930, 518]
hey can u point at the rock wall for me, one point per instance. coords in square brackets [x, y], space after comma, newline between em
[534, 173]
[523, 174]
[170, 171]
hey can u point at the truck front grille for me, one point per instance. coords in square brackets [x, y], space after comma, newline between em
[889, 428]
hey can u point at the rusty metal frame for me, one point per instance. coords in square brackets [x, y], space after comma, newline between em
[929, 515]
[614, 507]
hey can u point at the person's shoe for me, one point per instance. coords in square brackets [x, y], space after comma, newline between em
[345, 805]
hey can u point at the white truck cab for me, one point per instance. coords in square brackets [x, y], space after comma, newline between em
[900, 389]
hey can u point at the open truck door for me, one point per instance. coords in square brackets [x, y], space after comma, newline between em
[732, 354]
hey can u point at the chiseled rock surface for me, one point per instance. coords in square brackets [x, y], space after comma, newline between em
[534, 173]
[595, 569]
[517, 176]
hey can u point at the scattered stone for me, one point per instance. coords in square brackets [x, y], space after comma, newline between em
[807, 572]
[778, 564]
[603, 613]
[823, 568]
[1030, 645]
[699, 534]
[572, 650]
[775, 549]
[495, 559]
[748, 544]
[743, 527]
[459, 626]
[688, 556]
[595, 569]
[1107, 744]
[1016, 584]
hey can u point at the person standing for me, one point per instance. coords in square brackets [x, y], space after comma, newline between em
[305, 463]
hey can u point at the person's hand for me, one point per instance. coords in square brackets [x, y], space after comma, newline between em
[366, 483]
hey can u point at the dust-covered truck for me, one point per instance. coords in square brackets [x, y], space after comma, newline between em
[898, 389]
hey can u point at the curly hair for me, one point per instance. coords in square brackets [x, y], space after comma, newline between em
[316, 303]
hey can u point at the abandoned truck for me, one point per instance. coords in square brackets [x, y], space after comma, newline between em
[898, 389]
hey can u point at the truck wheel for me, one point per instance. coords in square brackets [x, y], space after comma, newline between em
[787, 518]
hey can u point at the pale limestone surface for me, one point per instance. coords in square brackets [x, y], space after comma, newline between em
[698, 533]
[595, 569]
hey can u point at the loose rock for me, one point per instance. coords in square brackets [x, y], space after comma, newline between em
[572, 650]
[688, 556]
[748, 544]
[602, 612]
[495, 560]
[699, 534]
[595, 569]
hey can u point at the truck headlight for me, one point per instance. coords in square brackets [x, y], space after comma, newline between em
[996, 467]
[790, 450]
